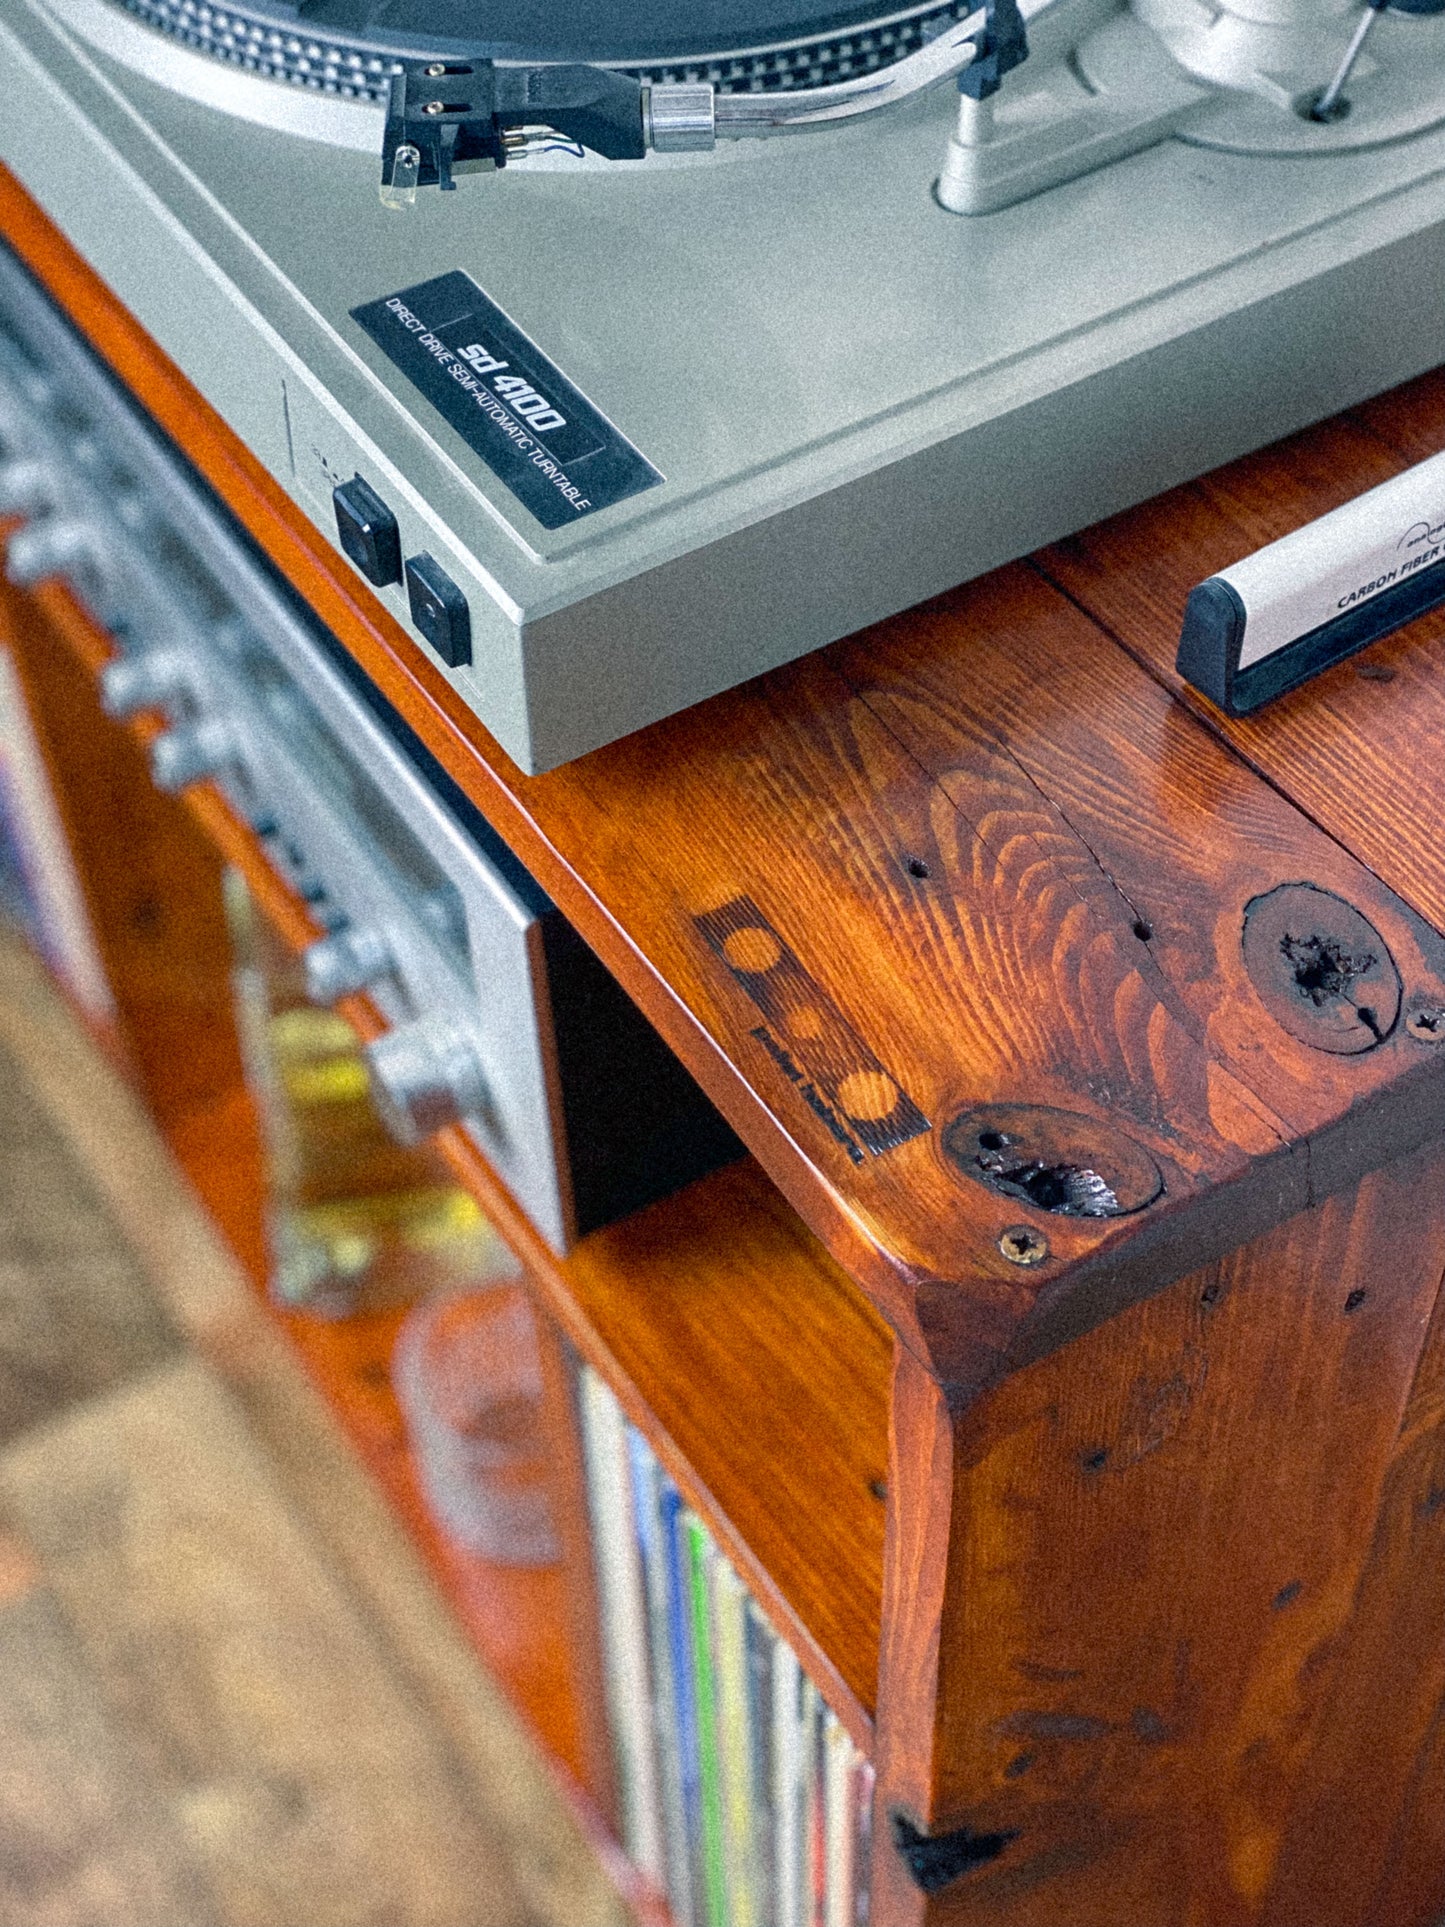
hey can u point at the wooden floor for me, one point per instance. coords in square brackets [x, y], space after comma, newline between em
[228, 1692]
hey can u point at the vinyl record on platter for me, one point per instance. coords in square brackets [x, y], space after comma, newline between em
[350, 46]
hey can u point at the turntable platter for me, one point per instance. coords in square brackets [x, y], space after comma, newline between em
[740, 46]
[607, 32]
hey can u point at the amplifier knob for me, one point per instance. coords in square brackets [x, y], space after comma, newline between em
[24, 487]
[146, 680]
[423, 1076]
[347, 960]
[47, 548]
[181, 757]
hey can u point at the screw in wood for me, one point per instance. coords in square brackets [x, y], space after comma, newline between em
[1427, 1023]
[1022, 1245]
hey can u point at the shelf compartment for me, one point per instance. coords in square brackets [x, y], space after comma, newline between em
[760, 1374]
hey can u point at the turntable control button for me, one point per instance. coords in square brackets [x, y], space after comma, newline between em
[439, 610]
[367, 531]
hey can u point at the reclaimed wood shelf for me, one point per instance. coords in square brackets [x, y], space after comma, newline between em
[1145, 1628]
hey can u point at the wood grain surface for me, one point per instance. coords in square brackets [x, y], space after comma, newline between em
[762, 1376]
[1008, 973]
[1164, 1610]
[1344, 1857]
[1360, 748]
[921, 1516]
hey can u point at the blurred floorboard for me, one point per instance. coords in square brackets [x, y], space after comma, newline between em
[83, 1835]
[229, 1693]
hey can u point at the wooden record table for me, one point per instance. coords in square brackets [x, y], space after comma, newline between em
[1117, 1541]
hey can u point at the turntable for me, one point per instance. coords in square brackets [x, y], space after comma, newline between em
[633, 352]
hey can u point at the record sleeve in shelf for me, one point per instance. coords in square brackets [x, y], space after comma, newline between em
[769, 1822]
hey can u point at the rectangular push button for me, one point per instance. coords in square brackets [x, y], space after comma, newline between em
[439, 610]
[367, 531]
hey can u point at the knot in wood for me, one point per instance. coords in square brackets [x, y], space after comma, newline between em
[1321, 968]
[1058, 1161]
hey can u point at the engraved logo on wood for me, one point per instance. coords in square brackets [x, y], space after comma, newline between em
[808, 1037]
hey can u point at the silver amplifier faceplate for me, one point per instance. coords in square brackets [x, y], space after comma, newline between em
[416, 912]
[854, 398]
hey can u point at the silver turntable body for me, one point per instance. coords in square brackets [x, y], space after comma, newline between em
[655, 425]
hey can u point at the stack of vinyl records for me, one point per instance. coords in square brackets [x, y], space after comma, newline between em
[743, 1797]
